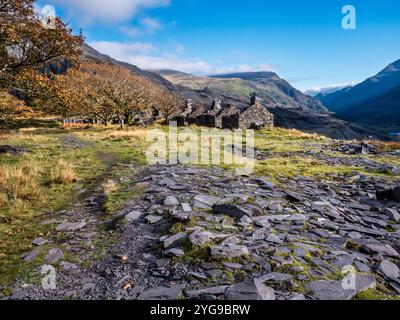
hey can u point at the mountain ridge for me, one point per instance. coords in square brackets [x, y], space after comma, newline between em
[287, 116]
[375, 99]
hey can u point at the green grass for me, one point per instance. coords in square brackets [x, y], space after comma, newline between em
[374, 295]
[20, 215]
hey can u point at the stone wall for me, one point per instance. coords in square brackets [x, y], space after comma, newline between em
[256, 117]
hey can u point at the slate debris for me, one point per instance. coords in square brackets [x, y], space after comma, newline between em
[13, 150]
[229, 210]
[307, 227]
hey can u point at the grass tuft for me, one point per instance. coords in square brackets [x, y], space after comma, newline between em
[63, 173]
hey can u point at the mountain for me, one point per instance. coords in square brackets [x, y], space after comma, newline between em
[268, 85]
[290, 107]
[374, 101]
[275, 90]
[198, 96]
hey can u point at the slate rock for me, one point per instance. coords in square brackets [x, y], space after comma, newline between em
[250, 290]
[171, 201]
[381, 249]
[162, 293]
[31, 256]
[388, 269]
[39, 242]
[231, 251]
[205, 201]
[219, 290]
[13, 150]
[181, 215]
[392, 214]
[175, 240]
[276, 277]
[335, 290]
[200, 237]
[175, 252]
[389, 195]
[67, 266]
[294, 197]
[354, 235]
[273, 238]
[186, 207]
[71, 226]
[133, 216]
[264, 183]
[362, 267]
[53, 256]
[151, 219]
[229, 210]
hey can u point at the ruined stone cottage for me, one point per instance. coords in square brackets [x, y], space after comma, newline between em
[255, 116]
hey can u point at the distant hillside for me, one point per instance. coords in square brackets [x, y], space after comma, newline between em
[227, 87]
[268, 85]
[275, 90]
[289, 114]
[374, 101]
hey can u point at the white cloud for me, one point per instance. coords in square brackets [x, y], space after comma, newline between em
[329, 89]
[151, 24]
[106, 11]
[148, 26]
[171, 62]
[244, 68]
[144, 55]
[122, 51]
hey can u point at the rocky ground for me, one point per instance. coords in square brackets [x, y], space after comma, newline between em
[204, 233]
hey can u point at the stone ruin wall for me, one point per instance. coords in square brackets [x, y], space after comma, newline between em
[256, 116]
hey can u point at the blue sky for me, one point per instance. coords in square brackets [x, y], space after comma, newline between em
[303, 41]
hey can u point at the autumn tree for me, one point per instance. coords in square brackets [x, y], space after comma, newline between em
[115, 92]
[68, 95]
[35, 88]
[10, 107]
[25, 43]
[167, 103]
